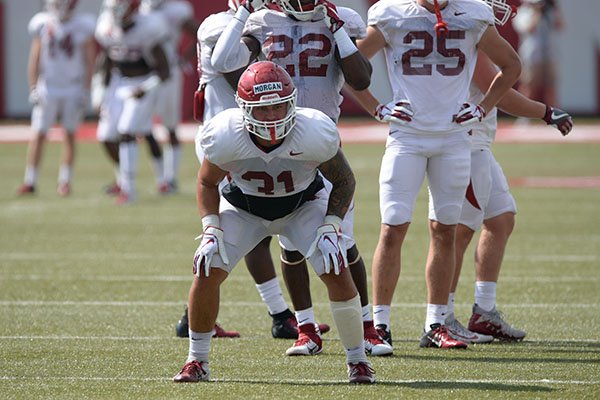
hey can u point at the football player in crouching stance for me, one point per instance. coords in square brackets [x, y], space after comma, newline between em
[273, 152]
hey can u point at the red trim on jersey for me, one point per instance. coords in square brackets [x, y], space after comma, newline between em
[470, 195]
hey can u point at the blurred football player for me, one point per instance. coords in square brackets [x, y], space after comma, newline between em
[489, 205]
[134, 57]
[179, 15]
[314, 41]
[272, 152]
[61, 62]
[430, 48]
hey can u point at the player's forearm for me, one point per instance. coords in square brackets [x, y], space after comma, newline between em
[230, 53]
[208, 199]
[502, 83]
[338, 172]
[516, 104]
[364, 97]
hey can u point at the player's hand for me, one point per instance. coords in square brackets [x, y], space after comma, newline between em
[35, 97]
[560, 119]
[400, 112]
[332, 18]
[211, 243]
[469, 114]
[254, 5]
[329, 242]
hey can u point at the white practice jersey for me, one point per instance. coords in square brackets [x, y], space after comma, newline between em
[62, 57]
[433, 73]
[208, 34]
[284, 171]
[176, 13]
[307, 51]
[483, 132]
[135, 44]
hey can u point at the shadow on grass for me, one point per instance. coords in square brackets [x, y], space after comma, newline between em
[494, 360]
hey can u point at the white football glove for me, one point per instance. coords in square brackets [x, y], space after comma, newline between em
[329, 242]
[254, 5]
[35, 97]
[211, 243]
[400, 112]
[469, 114]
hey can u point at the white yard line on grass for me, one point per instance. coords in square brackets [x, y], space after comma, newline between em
[87, 303]
[311, 381]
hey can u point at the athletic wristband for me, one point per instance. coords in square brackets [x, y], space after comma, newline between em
[150, 83]
[344, 43]
[333, 220]
[210, 220]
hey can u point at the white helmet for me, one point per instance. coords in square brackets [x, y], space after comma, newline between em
[265, 83]
[299, 9]
[502, 12]
[122, 10]
[63, 9]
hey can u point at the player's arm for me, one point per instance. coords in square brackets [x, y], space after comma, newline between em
[337, 171]
[89, 50]
[356, 69]
[33, 66]
[207, 188]
[161, 64]
[372, 43]
[504, 56]
[232, 51]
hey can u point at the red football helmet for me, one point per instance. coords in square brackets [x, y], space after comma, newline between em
[61, 8]
[122, 10]
[265, 83]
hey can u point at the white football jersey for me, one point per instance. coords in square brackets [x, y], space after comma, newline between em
[208, 34]
[483, 132]
[175, 12]
[134, 44]
[307, 51]
[62, 56]
[284, 171]
[433, 73]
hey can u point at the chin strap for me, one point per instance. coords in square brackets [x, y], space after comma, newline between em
[441, 26]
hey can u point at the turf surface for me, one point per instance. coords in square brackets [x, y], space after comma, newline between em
[90, 293]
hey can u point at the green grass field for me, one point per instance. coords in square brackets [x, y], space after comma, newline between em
[90, 293]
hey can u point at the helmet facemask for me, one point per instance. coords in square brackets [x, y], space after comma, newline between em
[502, 12]
[269, 130]
[301, 11]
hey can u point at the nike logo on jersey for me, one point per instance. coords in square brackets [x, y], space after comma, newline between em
[457, 13]
[293, 153]
[302, 321]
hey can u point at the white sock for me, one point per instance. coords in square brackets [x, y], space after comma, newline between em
[381, 314]
[348, 320]
[30, 175]
[199, 345]
[485, 295]
[64, 174]
[366, 313]
[168, 157]
[436, 314]
[450, 309]
[305, 316]
[271, 295]
[128, 153]
[159, 171]
[176, 162]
